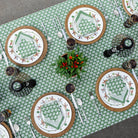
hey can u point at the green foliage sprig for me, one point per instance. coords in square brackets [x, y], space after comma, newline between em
[70, 64]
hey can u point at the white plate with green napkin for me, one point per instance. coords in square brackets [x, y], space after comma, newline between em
[116, 89]
[85, 23]
[26, 46]
[53, 114]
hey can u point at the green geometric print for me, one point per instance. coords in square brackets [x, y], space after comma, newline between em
[117, 88]
[26, 48]
[87, 27]
[52, 114]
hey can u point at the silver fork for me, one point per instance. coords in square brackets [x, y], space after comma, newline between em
[93, 99]
[29, 124]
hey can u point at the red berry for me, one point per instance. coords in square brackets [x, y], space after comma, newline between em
[70, 57]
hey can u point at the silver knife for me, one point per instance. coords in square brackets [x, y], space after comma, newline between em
[13, 131]
[4, 55]
[62, 30]
[121, 15]
[76, 106]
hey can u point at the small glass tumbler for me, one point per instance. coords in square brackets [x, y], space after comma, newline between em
[12, 71]
[4, 115]
[131, 21]
[70, 88]
[71, 43]
[131, 64]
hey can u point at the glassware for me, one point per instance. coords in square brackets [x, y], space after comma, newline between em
[4, 115]
[21, 85]
[122, 45]
[12, 71]
[131, 21]
[71, 43]
[70, 88]
[130, 64]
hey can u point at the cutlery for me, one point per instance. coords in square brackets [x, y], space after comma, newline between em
[134, 74]
[79, 101]
[106, 17]
[0, 57]
[4, 55]
[48, 38]
[93, 99]
[12, 128]
[29, 124]
[59, 33]
[121, 15]
[61, 28]
[115, 11]
[76, 106]
[16, 128]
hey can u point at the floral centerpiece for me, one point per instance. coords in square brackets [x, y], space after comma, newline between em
[70, 64]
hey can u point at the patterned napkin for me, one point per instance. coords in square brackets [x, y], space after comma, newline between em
[25, 44]
[85, 22]
[117, 89]
[52, 114]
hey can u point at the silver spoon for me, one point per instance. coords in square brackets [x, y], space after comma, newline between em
[16, 128]
[48, 37]
[29, 124]
[115, 11]
[0, 56]
[93, 99]
[79, 101]
[60, 35]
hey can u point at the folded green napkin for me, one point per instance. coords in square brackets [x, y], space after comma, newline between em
[85, 23]
[25, 44]
[52, 114]
[117, 89]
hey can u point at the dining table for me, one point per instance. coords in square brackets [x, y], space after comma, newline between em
[47, 80]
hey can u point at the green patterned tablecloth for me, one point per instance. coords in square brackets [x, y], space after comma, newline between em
[48, 80]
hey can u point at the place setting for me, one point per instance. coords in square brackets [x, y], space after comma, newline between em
[53, 113]
[26, 46]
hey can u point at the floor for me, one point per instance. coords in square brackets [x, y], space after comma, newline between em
[13, 9]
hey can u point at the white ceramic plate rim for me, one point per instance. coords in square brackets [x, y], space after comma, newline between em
[98, 33]
[49, 129]
[28, 60]
[113, 103]
[2, 128]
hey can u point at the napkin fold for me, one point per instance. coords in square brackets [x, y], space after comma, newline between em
[85, 23]
[25, 44]
[52, 114]
[117, 89]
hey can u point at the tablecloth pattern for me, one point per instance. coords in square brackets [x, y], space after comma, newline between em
[48, 80]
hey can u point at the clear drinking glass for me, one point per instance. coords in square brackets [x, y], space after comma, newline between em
[131, 21]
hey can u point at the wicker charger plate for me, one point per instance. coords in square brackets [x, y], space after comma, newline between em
[104, 97]
[127, 5]
[95, 14]
[41, 126]
[33, 59]
[8, 129]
